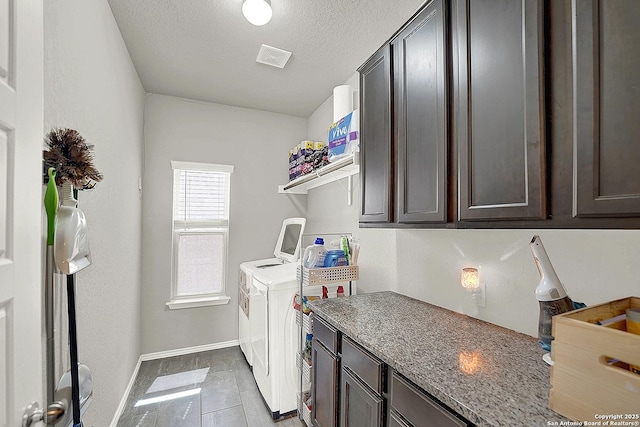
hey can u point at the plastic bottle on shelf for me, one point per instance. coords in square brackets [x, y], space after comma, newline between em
[325, 292]
[315, 254]
[340, 291]
[307, 349]
[335, 258]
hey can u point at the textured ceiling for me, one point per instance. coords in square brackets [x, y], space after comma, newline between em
[206, 50]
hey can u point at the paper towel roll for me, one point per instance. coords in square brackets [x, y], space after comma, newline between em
[342, 101]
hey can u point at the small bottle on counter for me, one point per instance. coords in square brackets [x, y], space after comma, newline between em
[340, 291]
[325, 292]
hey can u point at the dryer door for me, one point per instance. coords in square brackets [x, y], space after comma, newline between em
[259, 320]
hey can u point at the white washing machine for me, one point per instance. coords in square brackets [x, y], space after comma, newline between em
[274, 337]
[244, 301]
[267, 330]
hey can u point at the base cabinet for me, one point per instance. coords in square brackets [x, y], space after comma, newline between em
[360, 406]
[325, 373]
[325, 387]
[353, 388]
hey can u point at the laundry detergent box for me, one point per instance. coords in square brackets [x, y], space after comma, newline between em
[294, 169]
[308, 149]
[301, 158]
[343, 136]
[320, 154]
[292, 164]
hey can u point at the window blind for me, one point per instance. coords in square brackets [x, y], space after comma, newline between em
[201, 198]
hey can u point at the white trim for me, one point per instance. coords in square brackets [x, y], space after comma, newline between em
[123, 400]
[193, 166]
[160, 355]
[178, 304]
[188, 350]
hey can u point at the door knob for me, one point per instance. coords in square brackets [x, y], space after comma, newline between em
[33, 413]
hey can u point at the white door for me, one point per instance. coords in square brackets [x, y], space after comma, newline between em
[21, 133]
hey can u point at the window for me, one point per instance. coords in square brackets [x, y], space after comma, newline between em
[200, 234]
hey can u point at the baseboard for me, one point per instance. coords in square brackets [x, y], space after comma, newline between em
[160, 355]
[188, 350]
[123, 400]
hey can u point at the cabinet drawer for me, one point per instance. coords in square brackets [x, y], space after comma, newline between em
[366, 366]
[417, 408]
[326, 334]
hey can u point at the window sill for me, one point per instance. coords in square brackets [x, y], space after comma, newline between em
[198, 302]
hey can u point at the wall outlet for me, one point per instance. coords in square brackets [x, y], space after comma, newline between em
[479, 295]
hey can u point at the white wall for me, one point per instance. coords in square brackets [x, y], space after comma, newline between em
[595, 265]
[256, 143]
[92, 86]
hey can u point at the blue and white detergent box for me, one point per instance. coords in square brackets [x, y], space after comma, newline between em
[344, 136]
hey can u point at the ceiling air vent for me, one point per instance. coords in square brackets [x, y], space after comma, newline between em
[273, 56]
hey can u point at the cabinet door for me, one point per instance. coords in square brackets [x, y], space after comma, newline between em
[376, 154]
[606, 105]
[420, 88]
[360, 406]
[396, 421]
[324, 387]
[498, 84]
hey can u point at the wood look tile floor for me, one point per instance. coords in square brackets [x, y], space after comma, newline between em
[208, 389]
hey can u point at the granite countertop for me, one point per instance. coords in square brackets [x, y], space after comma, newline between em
[490, 375]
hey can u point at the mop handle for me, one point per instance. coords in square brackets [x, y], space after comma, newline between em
[73, 350]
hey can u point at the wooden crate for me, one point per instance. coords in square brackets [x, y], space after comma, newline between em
[584, 385]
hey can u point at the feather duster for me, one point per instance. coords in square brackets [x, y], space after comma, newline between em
[72, 157]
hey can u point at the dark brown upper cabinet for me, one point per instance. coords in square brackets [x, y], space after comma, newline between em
[504, 114]
[421, 105]
[499, 104]
[376, 153]
[606, 75]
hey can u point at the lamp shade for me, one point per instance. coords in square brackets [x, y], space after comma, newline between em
[257, 12]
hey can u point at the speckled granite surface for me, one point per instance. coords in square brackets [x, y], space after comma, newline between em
[490, 375]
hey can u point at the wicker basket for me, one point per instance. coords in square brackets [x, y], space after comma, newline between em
[322, 276]
[303, 411]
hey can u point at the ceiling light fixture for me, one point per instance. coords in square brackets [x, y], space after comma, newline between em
[258, 12]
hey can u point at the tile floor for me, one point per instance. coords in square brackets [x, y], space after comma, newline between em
[208, 389]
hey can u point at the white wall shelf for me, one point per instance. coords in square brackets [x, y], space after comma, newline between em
[341, 168]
